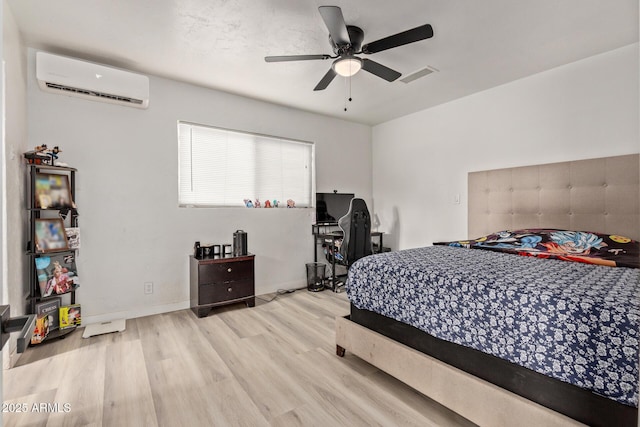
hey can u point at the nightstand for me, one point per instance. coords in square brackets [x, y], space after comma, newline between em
[220, 281]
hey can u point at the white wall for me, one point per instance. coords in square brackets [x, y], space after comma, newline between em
[132, 230]
[15, 138]
[582, 110]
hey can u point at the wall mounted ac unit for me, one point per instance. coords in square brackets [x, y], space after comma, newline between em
[73, 77]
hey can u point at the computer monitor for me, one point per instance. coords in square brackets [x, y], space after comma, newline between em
[330, 207]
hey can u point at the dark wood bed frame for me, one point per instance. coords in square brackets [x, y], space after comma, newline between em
[574, 402]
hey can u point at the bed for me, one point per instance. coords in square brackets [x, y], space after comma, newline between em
[481, 369]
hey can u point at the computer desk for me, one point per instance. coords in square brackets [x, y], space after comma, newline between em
[327, 234]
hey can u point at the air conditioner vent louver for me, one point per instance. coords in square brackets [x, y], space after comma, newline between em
[87, 80]
[93, 93]
[418, 74]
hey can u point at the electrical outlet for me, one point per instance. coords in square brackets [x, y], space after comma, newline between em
[148, 288]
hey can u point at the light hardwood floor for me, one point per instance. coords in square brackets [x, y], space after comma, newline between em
[273, 364]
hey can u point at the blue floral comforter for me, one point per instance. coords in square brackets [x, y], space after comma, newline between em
[574, 322]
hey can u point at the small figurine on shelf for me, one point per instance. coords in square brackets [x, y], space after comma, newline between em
[291, 203]
[267, 203]
[248, 203]
[257, 203]
[53, 153]
[275, 203]
[37, 156]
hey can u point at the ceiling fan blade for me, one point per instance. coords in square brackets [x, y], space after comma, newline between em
[294, 58]
[325, 80]
[380, 70]
[416, 34]
[333, 19]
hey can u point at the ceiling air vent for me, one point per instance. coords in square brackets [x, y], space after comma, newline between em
[418, 74]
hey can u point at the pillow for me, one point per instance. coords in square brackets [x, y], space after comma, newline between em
[580, 246]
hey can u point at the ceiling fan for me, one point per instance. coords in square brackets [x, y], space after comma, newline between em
[346, 41]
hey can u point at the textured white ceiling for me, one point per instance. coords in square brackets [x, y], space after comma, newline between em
[221, 44]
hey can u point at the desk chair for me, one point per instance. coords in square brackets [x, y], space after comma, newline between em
[354, 238]
[356, 226]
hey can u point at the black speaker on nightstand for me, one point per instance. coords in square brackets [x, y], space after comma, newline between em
[240, 243]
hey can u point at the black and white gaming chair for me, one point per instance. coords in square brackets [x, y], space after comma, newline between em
[356, 226]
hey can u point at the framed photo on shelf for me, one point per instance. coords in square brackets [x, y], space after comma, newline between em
[50, 308]
[56, 274]
[50, 235]
[52, 191]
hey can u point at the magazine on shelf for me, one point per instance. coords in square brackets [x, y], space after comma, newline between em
[57, 274]
[50, 308]
[70, 316]
[73, 237]
[41, 330]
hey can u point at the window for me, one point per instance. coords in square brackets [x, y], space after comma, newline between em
[220, 167]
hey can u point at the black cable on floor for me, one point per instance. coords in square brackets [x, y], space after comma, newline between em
[280, 292]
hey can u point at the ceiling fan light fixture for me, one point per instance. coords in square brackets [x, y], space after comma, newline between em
[346, 41]
[347, 66]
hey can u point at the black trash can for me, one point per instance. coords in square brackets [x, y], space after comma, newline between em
[315, 276]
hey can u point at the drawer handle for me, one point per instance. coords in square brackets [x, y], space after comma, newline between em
[229, 270]
[229, 289]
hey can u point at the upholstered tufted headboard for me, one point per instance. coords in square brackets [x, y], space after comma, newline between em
[600, 195]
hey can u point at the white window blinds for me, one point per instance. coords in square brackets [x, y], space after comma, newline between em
[220, 167]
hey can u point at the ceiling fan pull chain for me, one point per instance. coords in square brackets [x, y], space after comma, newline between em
[345, 93]
[350, 88]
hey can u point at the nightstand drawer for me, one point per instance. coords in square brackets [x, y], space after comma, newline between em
[218, 292]
[224, 272]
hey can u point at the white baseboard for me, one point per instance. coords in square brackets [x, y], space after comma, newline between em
[132, 314]
[166, 308]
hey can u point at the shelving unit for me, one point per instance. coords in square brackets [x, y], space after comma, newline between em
[69, 214]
